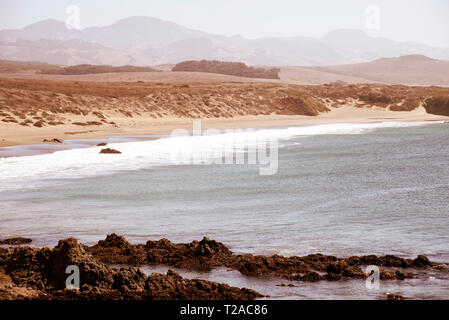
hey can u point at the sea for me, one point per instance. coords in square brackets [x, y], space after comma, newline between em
[338, 189]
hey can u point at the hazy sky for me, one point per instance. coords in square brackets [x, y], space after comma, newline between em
[425, 21]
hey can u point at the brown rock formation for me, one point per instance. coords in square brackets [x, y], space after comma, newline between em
[41, 274]
[200, 256]
[15, 241]
[173, 286]
[110, 151]
[394, 297]
[54, 140]
[230, 68]
[117, 250]
[208, 254]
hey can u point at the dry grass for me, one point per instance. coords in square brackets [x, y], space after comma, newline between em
[438, 105]
[17, 66]
[229, 68]
[50, 103]
[92, 69]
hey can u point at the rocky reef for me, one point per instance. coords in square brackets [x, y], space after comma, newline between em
[40, 273]
[207, 254]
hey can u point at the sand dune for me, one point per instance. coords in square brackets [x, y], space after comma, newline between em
[33, 110]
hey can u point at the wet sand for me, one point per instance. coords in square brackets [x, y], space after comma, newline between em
[12, 134]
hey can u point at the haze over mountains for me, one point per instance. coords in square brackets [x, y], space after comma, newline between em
[151, 41]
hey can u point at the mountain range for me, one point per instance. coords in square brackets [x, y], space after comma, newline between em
[150, 41]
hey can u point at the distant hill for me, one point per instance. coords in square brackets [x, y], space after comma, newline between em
[405, 70]
[92, 69]
[229, 68]
[150, 41]
[66, 52]
[18, 66]
[411, 69]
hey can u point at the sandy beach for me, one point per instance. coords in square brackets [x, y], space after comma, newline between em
[34, 110]
[11, 134]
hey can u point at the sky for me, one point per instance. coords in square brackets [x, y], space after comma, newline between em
[424, 21]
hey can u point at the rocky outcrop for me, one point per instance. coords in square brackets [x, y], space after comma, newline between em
[117, 250]
[54, 140]
[110, 151]
[28, 267]
[173, 286]
[200, 256]
[40, 273]
[394, 297]
[15, 241]
[35, 273]
[438, 105]
[207, 254]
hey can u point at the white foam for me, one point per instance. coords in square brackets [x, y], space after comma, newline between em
[29, 171]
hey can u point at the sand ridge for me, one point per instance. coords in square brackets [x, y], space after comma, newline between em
[34, 110]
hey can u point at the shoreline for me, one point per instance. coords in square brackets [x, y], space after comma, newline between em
[101, 279]
[13, 136]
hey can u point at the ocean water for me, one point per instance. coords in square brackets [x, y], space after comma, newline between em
[340, 189]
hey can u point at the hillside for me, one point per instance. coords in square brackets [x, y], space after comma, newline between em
[411, 69]
[151, 41]
[229, 68]
[406, 70]
[7, 66]
[34, 110]
[49, 103]
[92, 69]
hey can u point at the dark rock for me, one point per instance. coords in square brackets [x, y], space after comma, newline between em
[394, 297]
[129, 279]
[172, 286]
[117, 250]
[28, 267]
[113, 240]
[199, 256]
[164, 244]
[336, 268]
[421, 262]
[15, 241]
[308, 277]
[395, 275]
[70, 252]
[103, 144]
[110, 151]
[54, 140]
[44, 271]
[333, 277]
